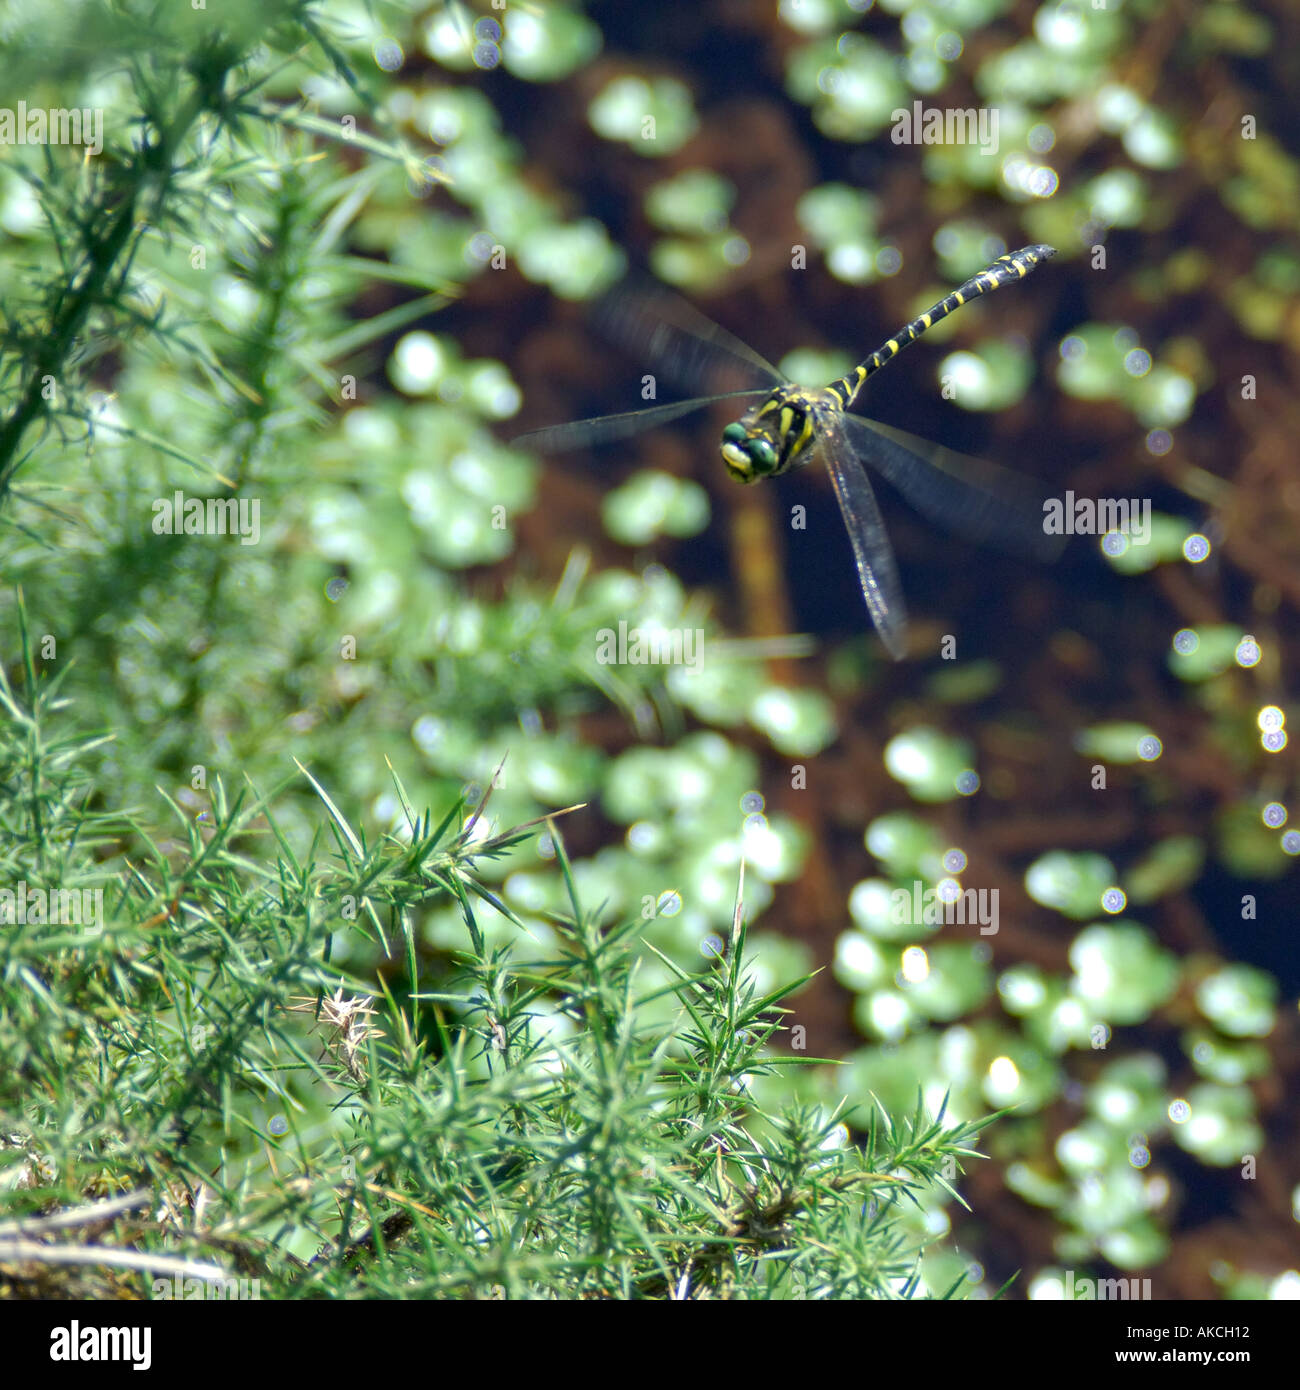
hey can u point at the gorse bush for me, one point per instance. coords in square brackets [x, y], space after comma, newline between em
[559, 1129]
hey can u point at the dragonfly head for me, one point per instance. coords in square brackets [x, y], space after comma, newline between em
[748, 453]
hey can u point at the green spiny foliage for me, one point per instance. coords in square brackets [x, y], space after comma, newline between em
[537, 1131]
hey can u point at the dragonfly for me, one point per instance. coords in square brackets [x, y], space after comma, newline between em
[789, 426]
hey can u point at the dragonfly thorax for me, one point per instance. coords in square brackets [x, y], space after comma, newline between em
[771, 437]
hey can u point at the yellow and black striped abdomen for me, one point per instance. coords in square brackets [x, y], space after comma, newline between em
[1004, 271]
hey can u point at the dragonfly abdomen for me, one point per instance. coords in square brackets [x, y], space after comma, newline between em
[1006, 270]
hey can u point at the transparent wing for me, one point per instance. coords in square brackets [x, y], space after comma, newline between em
[877, 569]
[690, 350]
[969, 496]
[577, 434]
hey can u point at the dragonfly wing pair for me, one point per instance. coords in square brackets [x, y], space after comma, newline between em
[604, 429]
[877, 568]
[969, 496]
[687, 347]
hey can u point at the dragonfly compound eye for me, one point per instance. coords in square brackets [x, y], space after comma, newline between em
[748, 457]
[764, 455]
[737, 456]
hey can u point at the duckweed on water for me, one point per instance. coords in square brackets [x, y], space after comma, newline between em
[651, 504]
[1120, 971]
[1239, 1000]
[928, 762]
[1071, 883]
